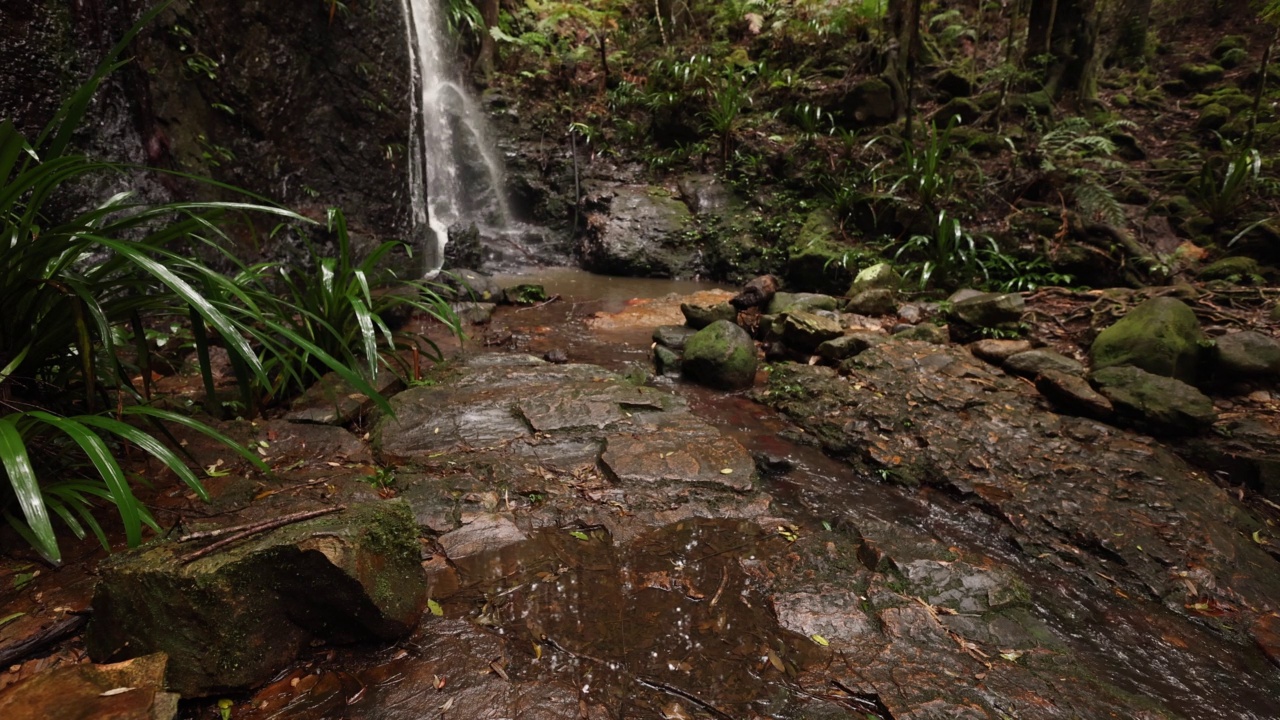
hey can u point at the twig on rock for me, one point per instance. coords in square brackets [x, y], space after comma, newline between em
[244, 531]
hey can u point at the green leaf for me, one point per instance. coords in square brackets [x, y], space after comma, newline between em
[580, 535]
[22, 477]
[819, 639]
[435, 608]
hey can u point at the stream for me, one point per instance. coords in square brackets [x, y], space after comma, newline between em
[715, 616]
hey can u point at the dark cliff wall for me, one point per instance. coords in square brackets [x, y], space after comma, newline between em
[275, 96]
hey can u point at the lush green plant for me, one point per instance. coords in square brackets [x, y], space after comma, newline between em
[1080, 154]
[72, 282]
[1221, 190]
[948, 257]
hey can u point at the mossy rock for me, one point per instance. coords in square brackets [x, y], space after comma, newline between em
[816, 261]
[1229, 43]
[1213, 117]
[962, 110]
[978, 142]
[721, 355]
[1037, 102]
[524, 294]
[233, 619]
[1199, 77]
[953, 84]
[1121, 100]
[1155, 402]
[1233, 58]
[1162, 336]
[869, 103]
[1230, 268]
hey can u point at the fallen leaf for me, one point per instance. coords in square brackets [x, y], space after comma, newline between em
[116, 691]
[819, 639]
[435, 608]
[726, 471]
[438, 682]
[1011, 655]
[580, 535]
[446, 705]
[776, 661]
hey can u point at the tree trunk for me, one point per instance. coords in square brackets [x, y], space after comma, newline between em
[904, 48]
[1062, 37]
[488, 48]
[1133, 21]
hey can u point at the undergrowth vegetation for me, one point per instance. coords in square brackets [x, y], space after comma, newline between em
[82, 293]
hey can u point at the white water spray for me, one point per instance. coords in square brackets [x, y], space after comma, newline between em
[454, 173]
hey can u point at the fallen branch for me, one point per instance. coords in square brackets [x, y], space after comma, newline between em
[66, 627]
[544, 303]
[244, 531]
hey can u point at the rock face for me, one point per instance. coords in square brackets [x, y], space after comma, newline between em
[637, 230]
[93, 692]
[1155, 401]
[721, 355]
[192, 99]
[232, 619]
[1161, 336]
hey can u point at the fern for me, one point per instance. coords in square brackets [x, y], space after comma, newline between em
[1096, 201]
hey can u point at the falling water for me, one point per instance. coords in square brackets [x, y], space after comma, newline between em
[454, 174]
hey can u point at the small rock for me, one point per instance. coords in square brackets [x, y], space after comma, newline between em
[557, 356]
[1230, 268]
[997, 351]
[910, 314]
[1247, 353]
[805, 331]
[666, 360]
[1163, 403]
[1260, 396]
[801, 302]
[1035, 362]
[333, 401]
[474, 313]
[673, 336]
[721, 355]
[1161, 336]
[847, 346]
[963, 294]
[880, 276]
[925, 332]
[469, 285]
[989, 310]
[524, 294]
[757, 293]
[878, 301]
[1073, 394]
[700, 316]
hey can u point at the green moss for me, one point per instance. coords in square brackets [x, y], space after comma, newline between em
[1198, 77]
[1161, 336]
[1213, 117]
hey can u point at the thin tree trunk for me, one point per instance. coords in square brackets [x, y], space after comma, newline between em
[1261, 89]
[488, 48]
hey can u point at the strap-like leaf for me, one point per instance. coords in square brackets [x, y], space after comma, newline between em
[151, 446]
[108, 469]
[22, 477]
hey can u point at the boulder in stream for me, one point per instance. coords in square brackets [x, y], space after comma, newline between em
[721, 355]
[1155, 401]
[231, 619]
[639, 232]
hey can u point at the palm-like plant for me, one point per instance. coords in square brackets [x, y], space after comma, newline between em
[69, 284]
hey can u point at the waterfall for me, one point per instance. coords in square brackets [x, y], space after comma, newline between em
[455, 175]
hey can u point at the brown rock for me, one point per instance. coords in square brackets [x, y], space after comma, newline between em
[1266, 632]
[1073, 394]
[997, 351]
[756, 293]
[129, 690]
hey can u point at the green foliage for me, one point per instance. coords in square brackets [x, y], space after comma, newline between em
[949, 257]
[74, 283]
[1225, 183]
[1080, 154]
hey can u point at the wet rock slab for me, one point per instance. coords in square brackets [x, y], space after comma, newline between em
[129, 690]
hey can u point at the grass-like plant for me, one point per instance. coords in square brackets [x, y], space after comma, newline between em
[1225, 184]
[949, 256]
[71, 283]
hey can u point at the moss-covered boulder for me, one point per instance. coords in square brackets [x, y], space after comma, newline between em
[1199, 77]
[638, 231]
[1234, 269]
[879, 275]
[816, 261]
[524, 294]
[874, 301]
[1155, 402]
[1161, 336]
[869, 103]
[721, 355]
[233, 618]
[784, 302]
[1213, 117]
